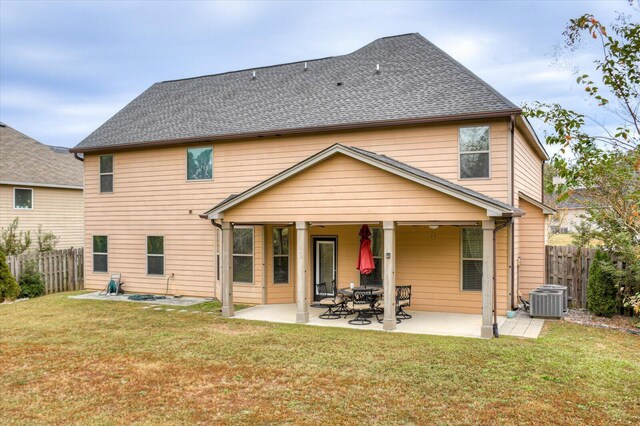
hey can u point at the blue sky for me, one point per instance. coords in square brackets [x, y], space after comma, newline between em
[66, 67]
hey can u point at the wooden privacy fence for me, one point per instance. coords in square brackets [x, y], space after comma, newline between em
[63, 270]
[569, 265]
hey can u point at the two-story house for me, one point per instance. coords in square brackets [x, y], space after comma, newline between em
[41, 186]
[252, 186]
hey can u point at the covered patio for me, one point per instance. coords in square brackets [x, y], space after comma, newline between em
[432, 323]
[420, 219]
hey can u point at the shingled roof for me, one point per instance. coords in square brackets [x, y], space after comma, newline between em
[25, 161]
[416, 81]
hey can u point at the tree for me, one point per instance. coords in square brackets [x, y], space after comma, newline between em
[47, 240]
[605, 161]
[14, 242]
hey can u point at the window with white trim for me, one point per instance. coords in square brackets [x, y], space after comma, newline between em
[106, 173]
[280, 255]
[155, 255]
[243, 254]
[23, 198]
[471, 268]
[474, 152]
[100, 253]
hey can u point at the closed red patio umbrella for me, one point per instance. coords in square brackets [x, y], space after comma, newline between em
[365, 258]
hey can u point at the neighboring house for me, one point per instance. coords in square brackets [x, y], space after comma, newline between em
[571, 212]
[252, 185]
[41, 185]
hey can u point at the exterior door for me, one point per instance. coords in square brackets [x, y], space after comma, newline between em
[324, 266]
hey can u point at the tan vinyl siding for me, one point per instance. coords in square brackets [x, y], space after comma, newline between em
[532, 240]
[153, 197]
[342, 188]
[57, 210]
[527, 169]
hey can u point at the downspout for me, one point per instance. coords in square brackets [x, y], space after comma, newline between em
[511, 253]
[75, 154]
[495, 281]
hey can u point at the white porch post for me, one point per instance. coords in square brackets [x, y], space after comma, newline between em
[389, 229]
[302, 287]
[487, 278]
[227, 269]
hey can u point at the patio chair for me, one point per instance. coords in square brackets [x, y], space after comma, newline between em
[360, 304]
[332, 303]
[403, 300]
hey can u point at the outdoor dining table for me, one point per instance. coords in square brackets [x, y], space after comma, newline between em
[377, 292]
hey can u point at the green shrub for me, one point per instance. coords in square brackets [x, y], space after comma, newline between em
[14, 242]
[9, 288]
[31, 281]
[602, 290]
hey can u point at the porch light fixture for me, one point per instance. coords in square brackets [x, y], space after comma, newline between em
[434, 226]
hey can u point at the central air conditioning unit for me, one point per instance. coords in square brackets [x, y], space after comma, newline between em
[546, 303]
[556, 287]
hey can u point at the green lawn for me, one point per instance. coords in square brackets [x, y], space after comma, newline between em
[77, 361]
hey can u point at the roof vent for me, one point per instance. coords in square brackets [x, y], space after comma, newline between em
[377, 68]
[306, 66]
[339, 83]
[253, 77]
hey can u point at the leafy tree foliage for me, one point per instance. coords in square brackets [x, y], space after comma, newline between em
[603, 159]
[47, 240]
[14, 242]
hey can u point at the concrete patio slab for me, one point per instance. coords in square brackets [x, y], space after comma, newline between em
[522, 327]
[182, 301]
[434, 323]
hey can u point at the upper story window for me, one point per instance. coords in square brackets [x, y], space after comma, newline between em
[23, 198]
[474, 152]
[280, 255]
[471, 259]
[243, 255]
[106, 173]
[200, 163]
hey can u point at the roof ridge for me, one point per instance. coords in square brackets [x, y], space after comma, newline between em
[250, 69]
[285, 63]
[468, 71]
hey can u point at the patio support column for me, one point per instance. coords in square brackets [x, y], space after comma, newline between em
[488, 227]
[302, 258]
[389, 321]
[227, 269]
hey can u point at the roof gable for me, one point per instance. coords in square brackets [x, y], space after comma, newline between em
[26, 161]
[492, 206]
[416, 81]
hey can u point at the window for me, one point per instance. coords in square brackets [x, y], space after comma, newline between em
[155, 255]
[106, 173]
[100, 253]
[23, 198]
[474, 152]
[280, 255]
[471, 259]
[243, 255]
[375, 277]
[199, 163]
